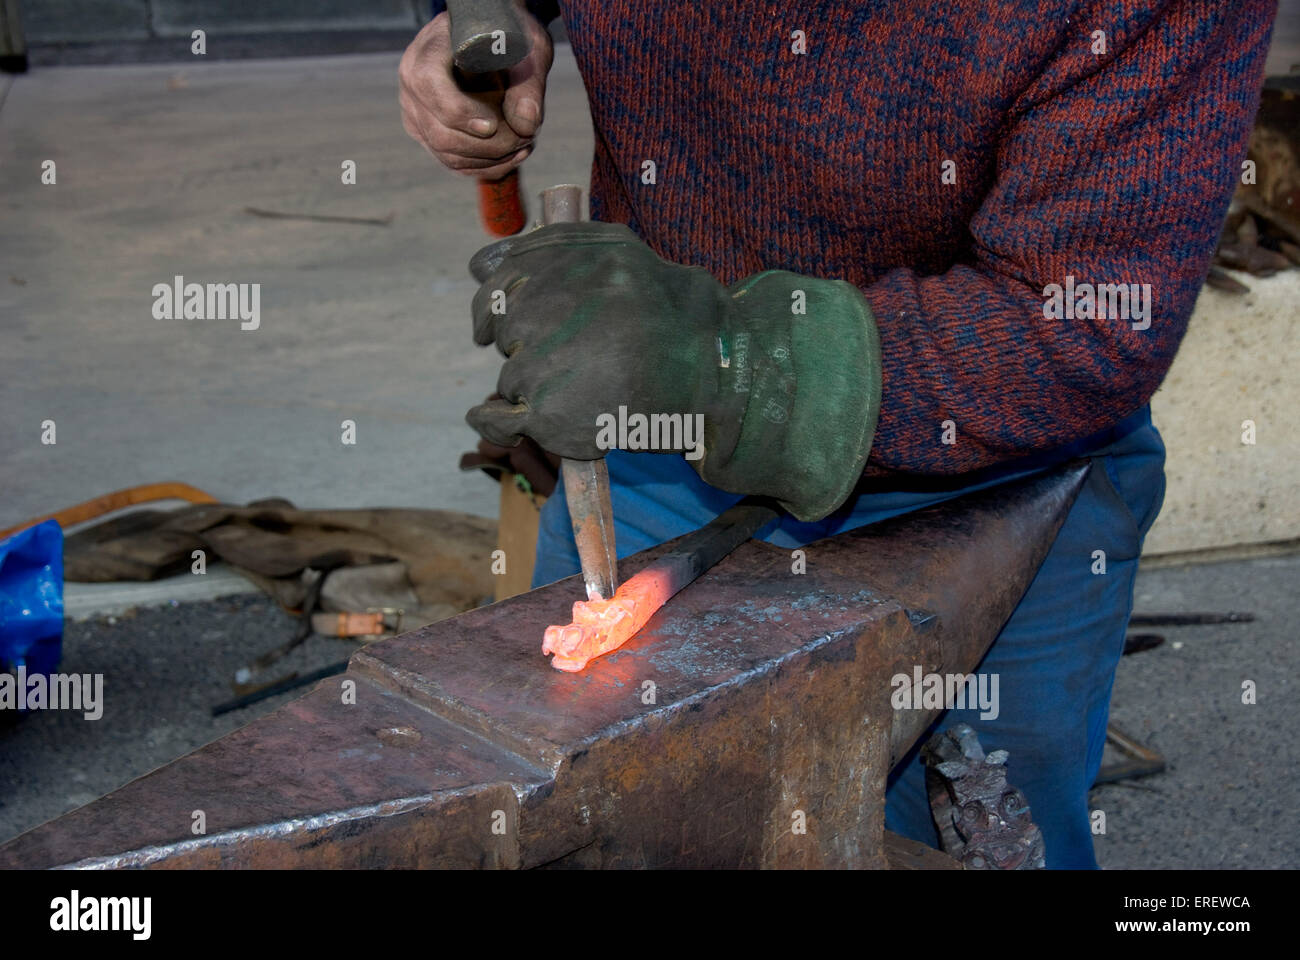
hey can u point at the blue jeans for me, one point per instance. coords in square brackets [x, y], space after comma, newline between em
[1056, 656]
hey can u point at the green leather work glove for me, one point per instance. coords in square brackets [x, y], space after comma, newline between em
[591, 320]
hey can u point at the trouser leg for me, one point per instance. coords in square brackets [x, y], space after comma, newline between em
[1055, 662]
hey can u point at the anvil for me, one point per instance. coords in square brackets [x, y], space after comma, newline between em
[748, 725]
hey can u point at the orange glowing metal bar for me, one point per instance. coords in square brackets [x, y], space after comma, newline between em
[600, 626]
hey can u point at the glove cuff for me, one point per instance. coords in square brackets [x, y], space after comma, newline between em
[797, 392]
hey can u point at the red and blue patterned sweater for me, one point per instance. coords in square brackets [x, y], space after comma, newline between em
[1108, 167]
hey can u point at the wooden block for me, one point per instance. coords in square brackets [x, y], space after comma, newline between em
[517, 537]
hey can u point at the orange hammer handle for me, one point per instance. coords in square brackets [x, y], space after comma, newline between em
[500, 202]
[501, 205]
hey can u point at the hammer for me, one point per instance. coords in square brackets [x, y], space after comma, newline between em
[487, 39]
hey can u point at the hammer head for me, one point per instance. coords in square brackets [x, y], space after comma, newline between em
[486, 35]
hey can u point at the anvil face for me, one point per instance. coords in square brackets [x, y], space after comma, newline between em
[749, 724]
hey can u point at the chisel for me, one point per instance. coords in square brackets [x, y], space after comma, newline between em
[586, 482]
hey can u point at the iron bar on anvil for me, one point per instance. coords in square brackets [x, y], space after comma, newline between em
[600, 626]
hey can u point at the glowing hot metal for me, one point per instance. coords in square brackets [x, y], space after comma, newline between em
[600, 626]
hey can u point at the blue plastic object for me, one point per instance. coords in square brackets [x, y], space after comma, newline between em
[31, 599]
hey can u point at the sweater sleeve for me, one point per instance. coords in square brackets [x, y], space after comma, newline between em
[1113, 168]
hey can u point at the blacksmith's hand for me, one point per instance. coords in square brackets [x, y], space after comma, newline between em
[784, 370]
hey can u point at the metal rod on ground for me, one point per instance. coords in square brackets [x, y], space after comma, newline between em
[1187, 619]
[293, 683]
[1139, 760]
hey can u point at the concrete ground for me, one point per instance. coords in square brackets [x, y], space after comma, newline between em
[164, 669]
[155, 166]
[1229, 798]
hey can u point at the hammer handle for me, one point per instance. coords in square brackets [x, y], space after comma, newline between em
[501, 205]
[487, 39]
[500, 201]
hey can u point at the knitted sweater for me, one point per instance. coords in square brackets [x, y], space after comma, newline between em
[953, 159]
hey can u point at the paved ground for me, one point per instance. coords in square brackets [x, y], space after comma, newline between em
[1229, 798]
[155, 166]
[164, 669]
[66, 32]
[83, 21]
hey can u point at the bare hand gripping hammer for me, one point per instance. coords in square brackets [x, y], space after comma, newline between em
[487, 39]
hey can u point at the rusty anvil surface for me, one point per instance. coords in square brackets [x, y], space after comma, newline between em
[464, 748]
